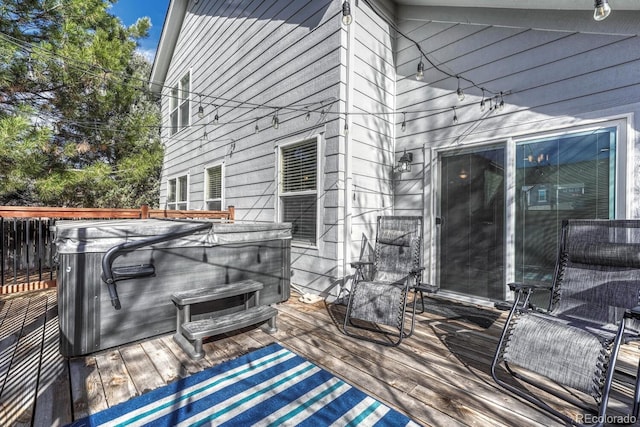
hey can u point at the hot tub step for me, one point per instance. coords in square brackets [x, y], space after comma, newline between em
[190, 335]
[211, 293]
[229, 322]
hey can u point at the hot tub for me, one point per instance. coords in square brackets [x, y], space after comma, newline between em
[116, 277]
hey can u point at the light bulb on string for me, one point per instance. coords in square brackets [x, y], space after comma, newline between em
[459, 92]
[420, 72]
[602, 10]
[347, 18]
[200, 108]
[275, 122]
[482, 106]
[403, 127]
[455, 116]
[216, 118]
[307, 116]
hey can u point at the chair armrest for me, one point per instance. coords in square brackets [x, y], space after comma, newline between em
[523, 287]
[360, 264]
[425, 287]
[633, 312]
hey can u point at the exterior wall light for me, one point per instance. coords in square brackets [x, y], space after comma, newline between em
[602, 10]
[404, 164]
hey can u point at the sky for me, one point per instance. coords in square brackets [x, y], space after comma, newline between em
[130, 10]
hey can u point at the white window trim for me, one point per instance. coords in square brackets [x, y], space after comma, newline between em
[176, 178]
[279, 192]
[179, 102]
[206, 185]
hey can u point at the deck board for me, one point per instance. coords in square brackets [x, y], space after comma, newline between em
[439, 376]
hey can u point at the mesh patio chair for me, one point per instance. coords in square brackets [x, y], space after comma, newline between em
[593, 309]
[395, 273]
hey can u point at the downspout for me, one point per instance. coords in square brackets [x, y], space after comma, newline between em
[348, 175]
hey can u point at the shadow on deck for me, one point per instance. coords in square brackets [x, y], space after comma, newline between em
[438, 377]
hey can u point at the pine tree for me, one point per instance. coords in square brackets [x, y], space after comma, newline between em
[78, 126]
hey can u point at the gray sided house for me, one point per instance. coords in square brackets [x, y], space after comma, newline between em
[522, 117]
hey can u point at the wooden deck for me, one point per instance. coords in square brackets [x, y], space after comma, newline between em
[438, 377]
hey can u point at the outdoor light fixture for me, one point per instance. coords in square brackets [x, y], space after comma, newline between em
[404, 164]
[602, 10]
[459, 92]
[420, 73]
[347, 19]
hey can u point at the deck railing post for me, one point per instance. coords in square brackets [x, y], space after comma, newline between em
[232, 213]
[2, 250]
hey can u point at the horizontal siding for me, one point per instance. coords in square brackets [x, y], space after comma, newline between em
[556, 71]
[247, 57]
[373, 129]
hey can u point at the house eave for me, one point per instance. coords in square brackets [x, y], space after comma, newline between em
[170, 32]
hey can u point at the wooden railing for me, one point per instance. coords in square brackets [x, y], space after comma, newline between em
[26, 245]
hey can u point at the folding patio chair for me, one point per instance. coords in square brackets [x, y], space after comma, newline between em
[379, 305]
[593, 309]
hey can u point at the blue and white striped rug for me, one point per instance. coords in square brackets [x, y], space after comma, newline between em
[268, 387]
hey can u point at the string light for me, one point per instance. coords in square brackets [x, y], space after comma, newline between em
[499, 101]
[216, 118]
[602, 10]
[200, 109]
[257, 128]
[459, 92]
[455, 116]
[420, 72]
[347, 18]
[404, 122]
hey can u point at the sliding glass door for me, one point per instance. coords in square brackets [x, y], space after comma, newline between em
[545, 180]
[557, 178]
[472, 210]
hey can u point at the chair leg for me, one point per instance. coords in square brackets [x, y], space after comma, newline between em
[636, 395]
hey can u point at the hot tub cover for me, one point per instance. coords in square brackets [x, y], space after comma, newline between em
[100, 236]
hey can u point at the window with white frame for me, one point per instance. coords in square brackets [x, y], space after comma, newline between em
[213, 194]
[177, 192]
[180, 104]
[299, 189]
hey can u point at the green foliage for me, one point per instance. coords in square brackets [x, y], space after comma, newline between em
[77, 124]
